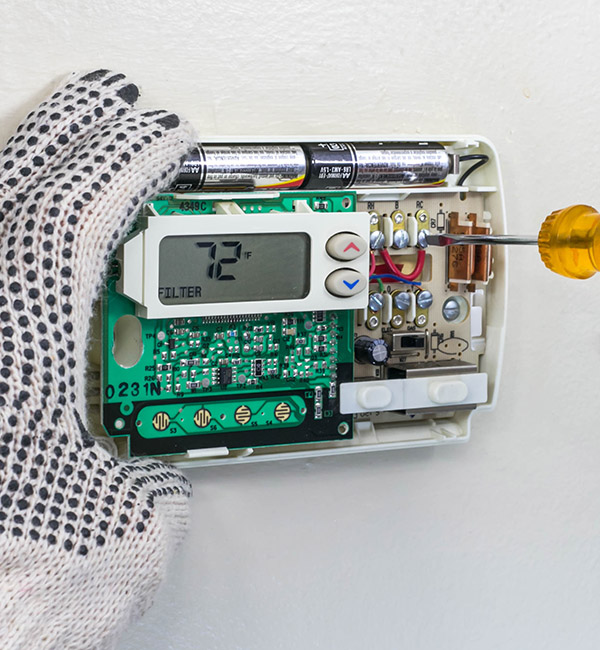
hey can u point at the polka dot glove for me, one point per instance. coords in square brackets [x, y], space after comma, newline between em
[84, 538]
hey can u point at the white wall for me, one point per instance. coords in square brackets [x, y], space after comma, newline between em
[494, 544]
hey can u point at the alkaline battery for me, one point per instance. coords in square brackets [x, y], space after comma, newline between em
[243, 167]
[341, 165]
[315, 166]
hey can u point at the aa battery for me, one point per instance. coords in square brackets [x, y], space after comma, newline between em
[340, 165]
[318, 166]
[243, 167]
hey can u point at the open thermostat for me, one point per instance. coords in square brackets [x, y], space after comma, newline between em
[278, 302]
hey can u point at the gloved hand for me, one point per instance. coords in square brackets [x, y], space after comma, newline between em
[84, 538]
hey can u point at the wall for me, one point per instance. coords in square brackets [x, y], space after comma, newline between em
[494, 544]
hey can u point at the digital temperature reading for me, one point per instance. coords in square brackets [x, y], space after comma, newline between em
[196, 269]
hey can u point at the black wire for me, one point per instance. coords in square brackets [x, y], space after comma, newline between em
[481, 159]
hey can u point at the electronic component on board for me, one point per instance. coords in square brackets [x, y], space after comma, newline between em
[369, 350]
[461, 259]
[483, 257]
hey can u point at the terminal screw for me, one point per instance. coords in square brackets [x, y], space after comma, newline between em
[402, 300]
[375, 301]
[424, 299]
[377, 240]
[450, 310]
[422, 238]
[400, 239]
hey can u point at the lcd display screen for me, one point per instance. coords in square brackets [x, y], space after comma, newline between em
[195, 269]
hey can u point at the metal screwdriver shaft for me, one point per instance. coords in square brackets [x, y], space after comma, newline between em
[447, 239]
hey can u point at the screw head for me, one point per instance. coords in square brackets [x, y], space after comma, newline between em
[422, 216]
[377, 240]
[450, 310]
[421, 320]
[374, 220]
[422, 238]
[397, 321]
[373, 322]
[402, 300]
[397, 217]
[375, 301]
[424, 299]
[400, 239]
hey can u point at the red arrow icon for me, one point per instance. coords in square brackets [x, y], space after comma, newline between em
[352, 245]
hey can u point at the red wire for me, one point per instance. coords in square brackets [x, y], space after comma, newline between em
[392, 268]
[373, 263]
[414, 274]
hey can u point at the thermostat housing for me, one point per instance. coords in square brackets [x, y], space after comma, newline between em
[278, 319]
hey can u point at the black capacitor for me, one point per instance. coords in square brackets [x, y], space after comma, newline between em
[373, 351]
[340, 165]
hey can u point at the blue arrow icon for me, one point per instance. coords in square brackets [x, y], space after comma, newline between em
[350, 285]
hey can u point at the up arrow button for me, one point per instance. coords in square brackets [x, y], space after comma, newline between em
[346, 246]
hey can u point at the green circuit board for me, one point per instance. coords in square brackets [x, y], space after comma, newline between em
[238, 381]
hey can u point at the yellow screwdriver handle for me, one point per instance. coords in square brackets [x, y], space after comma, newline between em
[569, 242]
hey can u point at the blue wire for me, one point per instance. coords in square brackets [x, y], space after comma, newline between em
[394, 277]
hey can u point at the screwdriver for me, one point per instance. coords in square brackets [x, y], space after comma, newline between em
[568, 241]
